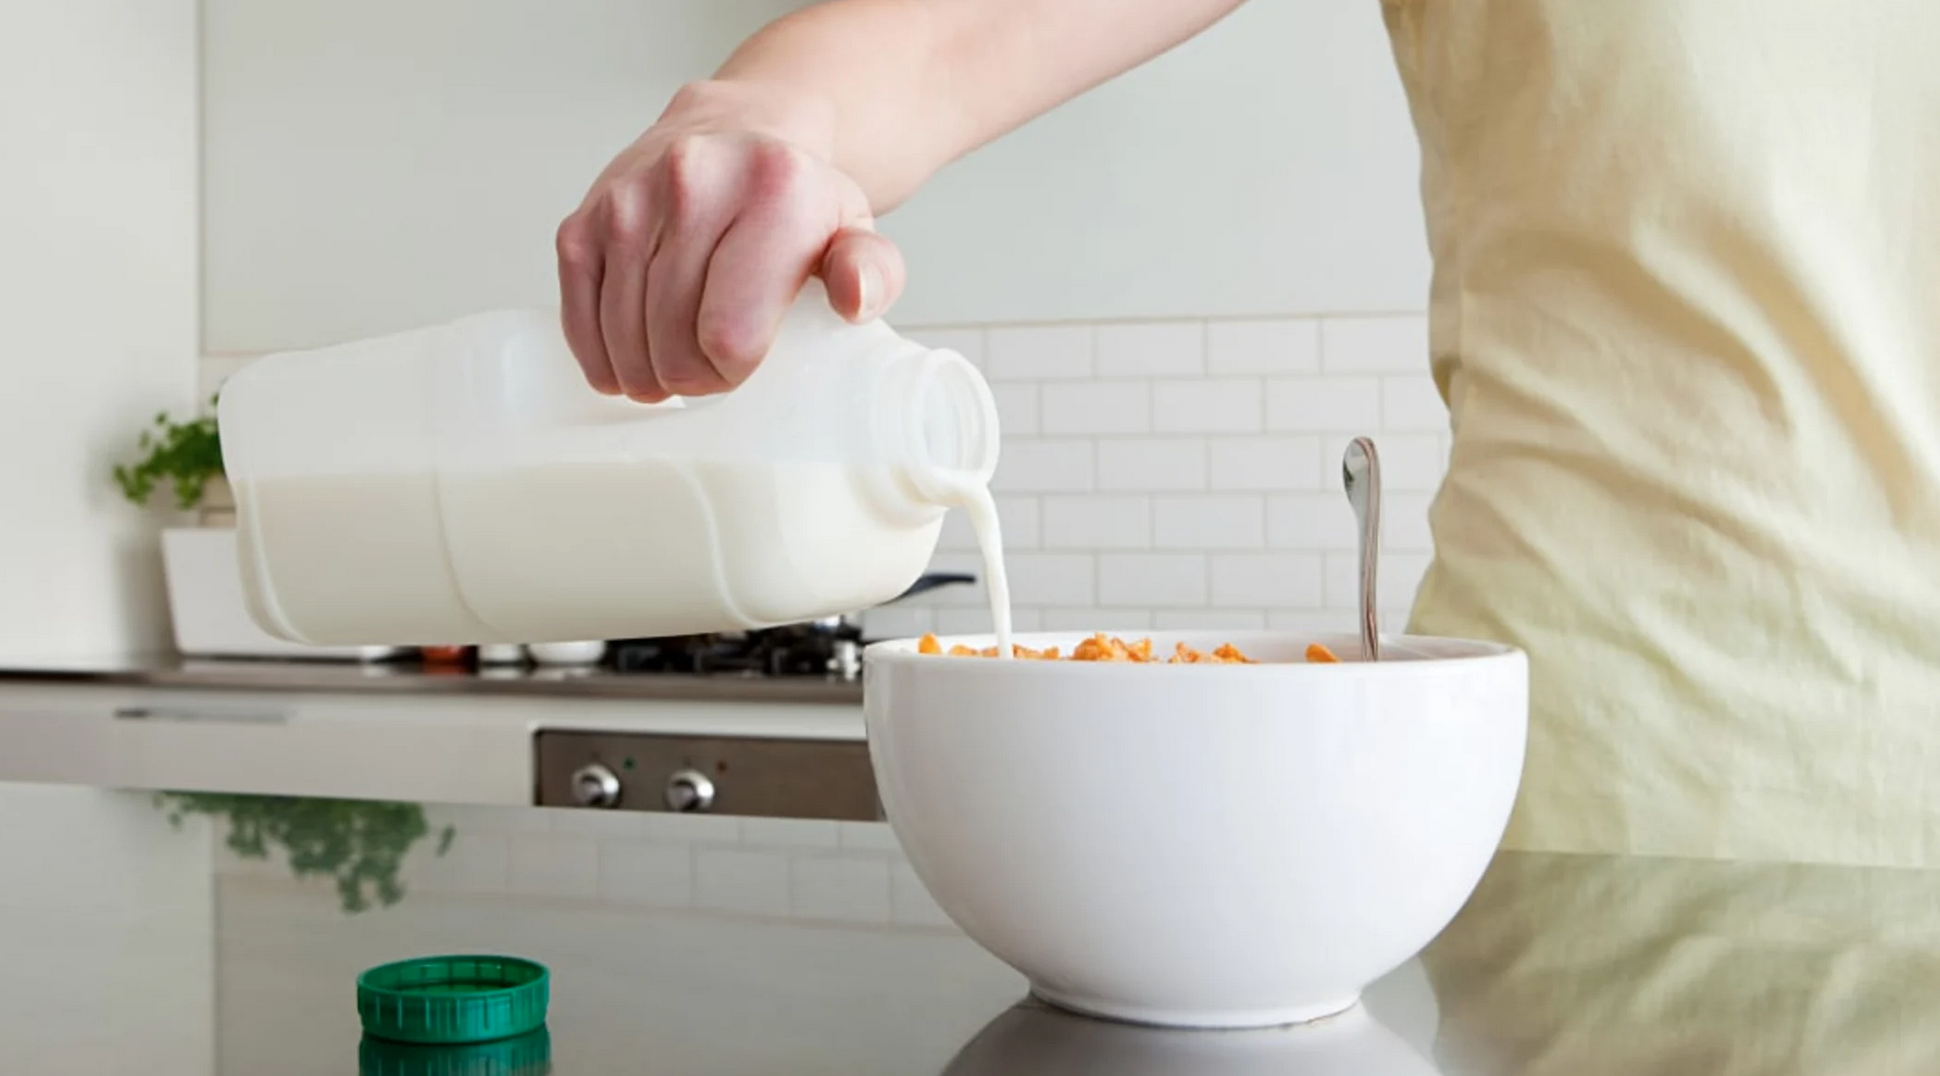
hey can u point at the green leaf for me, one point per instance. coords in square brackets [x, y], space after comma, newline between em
[185, 456]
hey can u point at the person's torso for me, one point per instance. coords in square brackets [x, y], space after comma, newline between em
[1686, 314]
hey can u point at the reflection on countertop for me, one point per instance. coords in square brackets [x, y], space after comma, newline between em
[1579, 965]
[1572, 965]
[404, 677]
[710, 945]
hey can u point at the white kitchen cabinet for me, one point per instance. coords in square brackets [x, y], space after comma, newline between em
[420, 747]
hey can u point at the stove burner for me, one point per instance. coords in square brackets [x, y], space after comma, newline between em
[796, 650]
[831, 647]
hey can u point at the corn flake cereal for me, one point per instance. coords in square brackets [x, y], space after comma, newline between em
[1102, 647]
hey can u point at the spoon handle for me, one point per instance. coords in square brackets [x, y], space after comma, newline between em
[1362, 472]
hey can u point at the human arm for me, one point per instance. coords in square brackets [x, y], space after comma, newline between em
[679, 264]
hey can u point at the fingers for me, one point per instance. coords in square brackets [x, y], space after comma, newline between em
[580, 268]
[751, 182]
[759, 266]
[675, 277]
[864, 273]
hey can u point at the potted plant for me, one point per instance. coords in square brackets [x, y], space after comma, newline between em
[207, 607]
[187, 457]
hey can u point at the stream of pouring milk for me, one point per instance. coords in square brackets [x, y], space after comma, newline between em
[981, 509]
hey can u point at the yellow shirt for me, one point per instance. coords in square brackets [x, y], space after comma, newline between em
[1686, 316]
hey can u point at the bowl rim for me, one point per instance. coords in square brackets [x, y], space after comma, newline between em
[902, 651]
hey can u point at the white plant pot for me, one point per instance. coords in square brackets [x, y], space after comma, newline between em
[570, 653]
[206, 607]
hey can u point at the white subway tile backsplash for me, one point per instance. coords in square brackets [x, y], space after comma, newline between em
[1395, 584]
[1095, 407]
[1151, 349]
[1152, 580]
[1038, 352]
[1274, 580]
[1151, 464]
[967, 621]
[1209, 406]
[1025, 465]
[1097, 522]
[1019, 517]
[1210, 619]
[1016, 407]
[1220, 521]
[732, 880]
[897, 622]
[1016, 517]
[1400, 577]
[1341, 581]
[1265, 463]
[1317, 521]
[841, 888]
[1404, 522]
[966, 341]
[1094, 620]
[1281, 346]
[1409, 461]
[1412, 403]
[1312, 621]
[1374, 345]
[977, 621]
[1041, 579]
[1323, 404]
[639, 872]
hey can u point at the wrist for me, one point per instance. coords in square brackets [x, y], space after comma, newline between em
[800, 116]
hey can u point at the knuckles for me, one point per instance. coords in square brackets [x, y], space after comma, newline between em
[576, 246]
[729, 343]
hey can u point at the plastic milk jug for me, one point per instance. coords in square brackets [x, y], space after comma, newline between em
[463, 484]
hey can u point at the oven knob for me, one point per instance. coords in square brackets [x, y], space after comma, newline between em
[596, 786]
[689, 790]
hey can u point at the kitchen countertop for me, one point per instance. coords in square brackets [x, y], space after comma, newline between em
[409, 677]
[1566, 965]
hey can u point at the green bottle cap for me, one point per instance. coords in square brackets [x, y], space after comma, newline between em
[445, 1000]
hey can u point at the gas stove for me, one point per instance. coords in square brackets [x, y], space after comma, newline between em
[831, 647]
[825, 648]
[774, 777]
[778, 776]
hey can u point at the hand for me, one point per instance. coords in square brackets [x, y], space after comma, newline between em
[676, 270]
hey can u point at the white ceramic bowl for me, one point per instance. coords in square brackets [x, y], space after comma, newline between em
[1200, 845]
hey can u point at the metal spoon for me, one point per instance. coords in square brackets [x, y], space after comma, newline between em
[1360, 473]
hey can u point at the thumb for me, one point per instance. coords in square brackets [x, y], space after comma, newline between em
[863, 273]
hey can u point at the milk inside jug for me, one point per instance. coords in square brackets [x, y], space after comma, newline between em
[463, 484]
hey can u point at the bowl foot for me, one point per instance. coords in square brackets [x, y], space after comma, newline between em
[1206, 1019]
